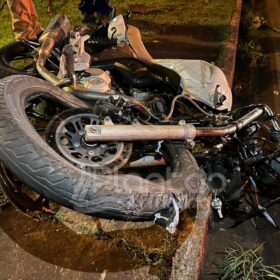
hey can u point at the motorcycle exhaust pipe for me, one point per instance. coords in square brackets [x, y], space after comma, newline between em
[122, 133]
[53, 36]
[97, 133]
[232, 128]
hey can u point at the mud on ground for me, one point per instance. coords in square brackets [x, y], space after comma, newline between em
[72, 244]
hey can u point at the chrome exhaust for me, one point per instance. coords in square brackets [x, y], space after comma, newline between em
[94, 133]
[232, 128]
[44, 53]
[54, 34]
[111, 132]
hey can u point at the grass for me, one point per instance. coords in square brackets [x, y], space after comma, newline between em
[252, 50]
[211, 13]
[247, 265]
[199, 12]
[251, 60]
[145, 250]
[68, 8]
[249, 48]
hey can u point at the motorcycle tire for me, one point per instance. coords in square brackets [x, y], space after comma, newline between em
[12, 53]
[35, 163]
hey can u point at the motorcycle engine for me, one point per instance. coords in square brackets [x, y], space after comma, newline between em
[75, 64]
[96, 80]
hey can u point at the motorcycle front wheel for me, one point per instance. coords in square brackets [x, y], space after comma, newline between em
[35, 163]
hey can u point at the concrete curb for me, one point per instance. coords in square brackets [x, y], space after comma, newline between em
[230, 48]
[189, 258]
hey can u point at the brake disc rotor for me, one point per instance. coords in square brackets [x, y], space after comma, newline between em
[65, 133]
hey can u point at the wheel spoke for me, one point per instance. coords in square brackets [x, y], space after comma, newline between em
[68, 134]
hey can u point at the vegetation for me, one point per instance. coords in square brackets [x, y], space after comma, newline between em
[251, 61]
[249, 49]
[149, 246]
[247, 265]
[68, 8]
[212, 13]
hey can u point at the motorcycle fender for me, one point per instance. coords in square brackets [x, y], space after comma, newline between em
[201, 80]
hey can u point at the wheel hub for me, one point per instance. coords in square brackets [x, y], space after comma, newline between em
[65, 134]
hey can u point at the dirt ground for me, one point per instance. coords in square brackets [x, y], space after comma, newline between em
[72, 248]
[186, 42]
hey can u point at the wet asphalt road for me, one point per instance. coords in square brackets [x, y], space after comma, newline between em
[267, 84]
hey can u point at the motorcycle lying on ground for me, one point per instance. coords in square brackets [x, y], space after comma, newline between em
[113, 133]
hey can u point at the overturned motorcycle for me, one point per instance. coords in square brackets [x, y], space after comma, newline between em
[113, 133]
